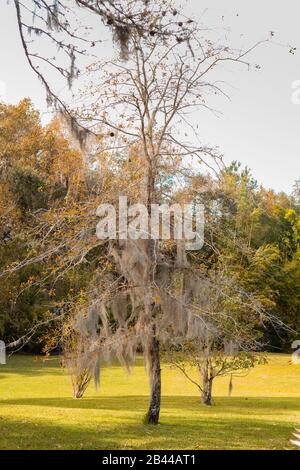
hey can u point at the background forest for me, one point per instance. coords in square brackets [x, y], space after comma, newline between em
[46, 178]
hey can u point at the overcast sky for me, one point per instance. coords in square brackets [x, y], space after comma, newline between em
[259, 126]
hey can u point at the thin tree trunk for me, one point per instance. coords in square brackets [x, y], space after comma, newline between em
[207, 381]
[207, 393]
[152, 416]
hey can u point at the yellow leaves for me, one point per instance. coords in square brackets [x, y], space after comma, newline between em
[290, 215]
[52, 293]
[30, 281]
[157, 299]
[256, 214]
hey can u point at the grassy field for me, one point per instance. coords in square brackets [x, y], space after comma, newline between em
[38, 412]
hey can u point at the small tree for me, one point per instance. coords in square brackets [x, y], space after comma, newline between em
[211, 359]
[76, 363]
[229, 336]
[80, 363]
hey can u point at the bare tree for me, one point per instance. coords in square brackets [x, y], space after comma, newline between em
[139, 106]
[136, 109]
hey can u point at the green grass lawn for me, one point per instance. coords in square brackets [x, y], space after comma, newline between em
[37, 410]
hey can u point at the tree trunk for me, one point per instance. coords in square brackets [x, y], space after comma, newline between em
[153, 357]
[207, 390]
[152, 416]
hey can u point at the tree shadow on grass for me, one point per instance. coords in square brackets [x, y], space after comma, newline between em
[30, 366]
[202, 431]
[244, 405]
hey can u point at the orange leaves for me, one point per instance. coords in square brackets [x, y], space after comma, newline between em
[157, 299]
